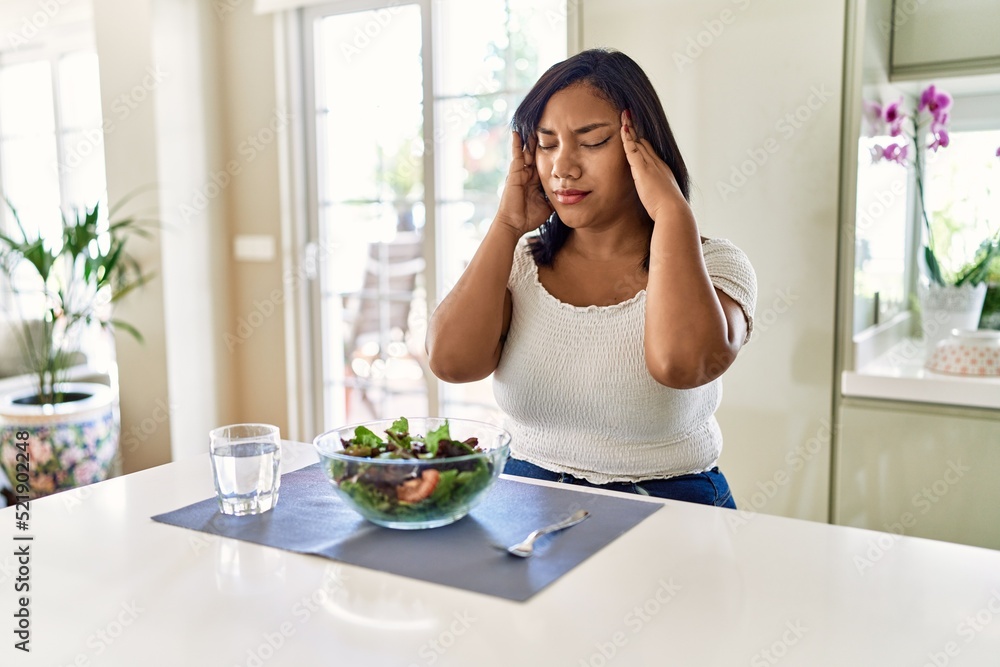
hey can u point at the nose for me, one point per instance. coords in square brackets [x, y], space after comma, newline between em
[565, 165]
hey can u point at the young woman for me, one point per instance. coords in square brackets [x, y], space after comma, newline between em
[608, 330]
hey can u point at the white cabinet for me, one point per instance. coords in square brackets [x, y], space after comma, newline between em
[919, 471]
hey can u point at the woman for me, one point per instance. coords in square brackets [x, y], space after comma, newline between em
[608, 330]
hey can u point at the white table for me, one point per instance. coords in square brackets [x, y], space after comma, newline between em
[691, 585]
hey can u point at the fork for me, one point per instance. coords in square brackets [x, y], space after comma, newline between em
[525, 548]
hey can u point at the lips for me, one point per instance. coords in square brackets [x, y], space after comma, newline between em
[570, 196]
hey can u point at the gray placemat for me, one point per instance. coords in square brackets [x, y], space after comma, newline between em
[309, 518]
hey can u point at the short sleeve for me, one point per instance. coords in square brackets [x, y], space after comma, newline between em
[522, 269]
[730, 271]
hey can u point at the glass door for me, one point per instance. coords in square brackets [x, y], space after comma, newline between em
[369, 191]
[488, 54]
[407, 142]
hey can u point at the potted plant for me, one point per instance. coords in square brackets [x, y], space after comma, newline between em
[991, 305]
[949, 299]
[73, 283]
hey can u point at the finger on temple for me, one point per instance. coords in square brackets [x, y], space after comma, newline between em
[516, 151]
[628, 134]
[528, 150]
[631, 146]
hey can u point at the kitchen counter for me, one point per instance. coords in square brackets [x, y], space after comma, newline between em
[899, 374]
[690, 585]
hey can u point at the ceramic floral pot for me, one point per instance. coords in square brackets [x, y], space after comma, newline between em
[944, 308]
[70, 444]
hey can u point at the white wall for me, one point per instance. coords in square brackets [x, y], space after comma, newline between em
[159, 88]
[190, 88]
[255, 328]
[195, 241]
[732, 76]
[129, 79]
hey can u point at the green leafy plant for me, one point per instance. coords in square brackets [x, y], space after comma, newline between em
[78, 278]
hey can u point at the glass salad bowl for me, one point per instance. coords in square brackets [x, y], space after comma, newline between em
[413, 473]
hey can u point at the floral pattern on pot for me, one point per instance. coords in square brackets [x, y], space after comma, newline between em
[62, 455]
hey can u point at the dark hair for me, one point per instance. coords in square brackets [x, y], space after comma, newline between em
[621, 81]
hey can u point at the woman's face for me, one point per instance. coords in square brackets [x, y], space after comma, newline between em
[581, 162]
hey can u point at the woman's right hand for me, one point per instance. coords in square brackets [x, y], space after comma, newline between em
[523, 207]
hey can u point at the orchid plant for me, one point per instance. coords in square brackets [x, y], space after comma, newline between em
[917, 132]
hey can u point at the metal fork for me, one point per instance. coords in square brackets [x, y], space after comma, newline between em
[526, 547]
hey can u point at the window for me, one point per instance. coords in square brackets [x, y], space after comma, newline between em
[880, 237]
[963, 195]
[51, 139]
[407, 158]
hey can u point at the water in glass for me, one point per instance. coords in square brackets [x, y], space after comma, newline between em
[246, 476]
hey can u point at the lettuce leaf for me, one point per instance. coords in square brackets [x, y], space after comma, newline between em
[432, 439]
[365, 436]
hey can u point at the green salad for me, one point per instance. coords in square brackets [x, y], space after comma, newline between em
[399, 491]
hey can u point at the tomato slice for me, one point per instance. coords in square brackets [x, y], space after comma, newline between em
[416, 489]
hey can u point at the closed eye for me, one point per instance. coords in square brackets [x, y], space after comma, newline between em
[548, 148]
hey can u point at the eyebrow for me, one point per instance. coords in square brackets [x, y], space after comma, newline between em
[581, 130]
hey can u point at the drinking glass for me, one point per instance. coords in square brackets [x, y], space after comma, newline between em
[245, 460]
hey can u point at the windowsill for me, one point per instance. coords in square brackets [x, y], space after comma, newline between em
[899, 374]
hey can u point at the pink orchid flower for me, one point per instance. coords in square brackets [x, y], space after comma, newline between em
[894, 116]
[872, 113]
[941, 140]
[893, 111]
[939, 122]
[936, 102]
[896, 153]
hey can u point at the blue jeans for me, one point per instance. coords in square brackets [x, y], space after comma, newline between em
[706, 488]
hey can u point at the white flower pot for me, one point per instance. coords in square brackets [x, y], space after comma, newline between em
[69, 444]
[944, 308]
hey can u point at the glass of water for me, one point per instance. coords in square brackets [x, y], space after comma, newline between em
[245, 460]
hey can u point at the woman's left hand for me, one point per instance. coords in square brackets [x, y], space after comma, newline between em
[654, 181]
